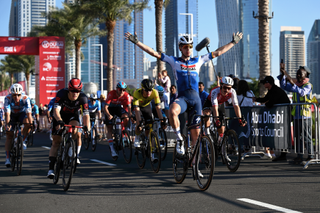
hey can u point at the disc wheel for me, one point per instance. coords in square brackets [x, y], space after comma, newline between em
[180, 163]
[155, 152]
[230, 150]
[126, 146]
[205, 161]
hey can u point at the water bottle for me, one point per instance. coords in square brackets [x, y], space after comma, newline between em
[118, 125]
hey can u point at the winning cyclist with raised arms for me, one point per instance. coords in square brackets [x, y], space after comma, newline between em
[186, 72]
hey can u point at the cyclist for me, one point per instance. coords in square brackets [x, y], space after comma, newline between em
[66, 109]
[50, 115]
[219, 95]
[17, 108]
[141, 103]
[94, 108]
[164, 103]
[1, 119]
[186, 72]
[35, 114]
[117, 103]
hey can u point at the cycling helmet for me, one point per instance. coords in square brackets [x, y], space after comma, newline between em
[121, 85]
[185, 40]
[147, 84]
[32, 101]
[75, 84]
[227, 81]
[160, 90]
[16, 88]
[93, 96]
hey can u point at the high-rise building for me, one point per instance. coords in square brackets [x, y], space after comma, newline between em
[227, 12]
[313, 55]
[292, 48]
[177, 25]
[24, 15]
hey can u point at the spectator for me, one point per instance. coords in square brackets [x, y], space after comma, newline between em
[301, 90]
[202, 93]
[173, 94]
[244, 94]
[274, 96]
[165, 82]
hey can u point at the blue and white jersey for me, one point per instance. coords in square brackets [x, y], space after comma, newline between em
[94, 107]
[35, 110]
[51, 104]
[186, 73]
[23, 105]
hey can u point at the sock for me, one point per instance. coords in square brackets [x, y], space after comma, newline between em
[178, 134]
[110, 141]
[207, 131]
[7, 154]
[78, 150]
[52, 161]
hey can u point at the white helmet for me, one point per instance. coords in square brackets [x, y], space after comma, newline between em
[93, 96]
[16, 88]
[227, 80]
[185, 40]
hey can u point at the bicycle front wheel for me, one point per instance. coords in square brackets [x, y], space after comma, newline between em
[57, 168]
[155, 153]
[163, 143]
[205, 161]
[230, 150]
[141, 153]
[13, 153]
[68, 163]
[19, 155]
[85, 140]
[180, 163]
[126, 146]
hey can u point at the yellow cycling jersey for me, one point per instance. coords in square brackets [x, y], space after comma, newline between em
[139, 100]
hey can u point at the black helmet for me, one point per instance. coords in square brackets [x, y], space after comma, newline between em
[147, 84]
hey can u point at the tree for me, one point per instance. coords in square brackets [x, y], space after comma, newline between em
[27, 62]
[11, 65]
[159, 4]
[109, 12]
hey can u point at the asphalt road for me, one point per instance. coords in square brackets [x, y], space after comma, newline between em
[258, 186]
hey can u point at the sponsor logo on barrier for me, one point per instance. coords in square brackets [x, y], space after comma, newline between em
[53, 58]
[53, 78]
[52, 44]
[43, 78]
[47, 67]
[57, 69]
[52, 85]
[52, 91]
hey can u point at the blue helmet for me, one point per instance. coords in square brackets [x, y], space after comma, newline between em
[160, 90]
[32, 101]
[121, 85]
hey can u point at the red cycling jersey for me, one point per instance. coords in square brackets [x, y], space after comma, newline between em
[113, 100]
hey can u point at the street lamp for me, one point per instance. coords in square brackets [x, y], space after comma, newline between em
[191, 17]
[101, 64]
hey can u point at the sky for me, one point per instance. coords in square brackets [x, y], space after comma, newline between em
[295, 13]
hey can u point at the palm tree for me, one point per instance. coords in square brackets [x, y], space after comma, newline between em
[11, 65]
[109, 12]
[27, 63]
[159, 4]
[264, 49]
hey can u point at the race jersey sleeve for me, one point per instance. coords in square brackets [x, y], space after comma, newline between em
[156, 97]
[83, 100]
[168, 59]
[203, 59]
[36, 109]
[214, 96]
[109, 97]
[59, 99]
[234, 98]
[136, 96]
[7, 107]
[27, 104]
[98, 105]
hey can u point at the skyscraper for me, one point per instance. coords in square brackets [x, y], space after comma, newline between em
[227, 12]
[177, 25]
[292, 48]
[313, 55]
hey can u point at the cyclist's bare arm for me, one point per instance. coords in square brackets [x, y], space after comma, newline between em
[86, 121]
[227, 47]
[237, 111]
[215, 111]
[107, 112]
[145, 48]
[99, 114]
[29, 116]
[138, 117]
[56, 114]
[7, 117]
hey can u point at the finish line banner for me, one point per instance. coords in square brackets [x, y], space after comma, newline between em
[265, 127]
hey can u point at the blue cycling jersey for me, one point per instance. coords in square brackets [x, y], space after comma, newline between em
[23, 105]
[35, 110]
[51, 104]
[94, 107]
[186, 72]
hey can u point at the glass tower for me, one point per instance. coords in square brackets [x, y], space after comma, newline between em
[313, 55]
[177, 25]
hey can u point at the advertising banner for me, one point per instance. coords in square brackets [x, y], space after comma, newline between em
[19, 45]
[265, 127]
[51, 67]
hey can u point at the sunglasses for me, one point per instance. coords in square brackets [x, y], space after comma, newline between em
[226, 88]
[147, 90]
[15, 95]
[123, 90]
[74, 91]
[187, 46]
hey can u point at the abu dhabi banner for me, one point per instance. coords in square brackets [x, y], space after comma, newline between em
[51, 67]
[266, 127]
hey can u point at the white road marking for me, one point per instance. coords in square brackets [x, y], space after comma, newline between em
[106, 163]
[266, 205]
[46, 147]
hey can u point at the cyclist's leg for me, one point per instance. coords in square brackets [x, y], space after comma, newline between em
[26, 127]
[76, 135]
[9, 134]
[113, 111]
[125, 117]
[56, 139]
[179, 106]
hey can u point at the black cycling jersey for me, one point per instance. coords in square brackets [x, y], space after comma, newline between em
[71, 107]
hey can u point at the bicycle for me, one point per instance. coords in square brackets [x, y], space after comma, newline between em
[66, 158]
[16, 152]
[201, 158]
[229, 147]
[149, 147]
[162, 138]
[121, 139]
[89, 139]
[30, 135]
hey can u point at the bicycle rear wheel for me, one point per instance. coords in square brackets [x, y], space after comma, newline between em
[85, 140]
[96, 139]
[68, 163]
[141, 153]
[163, 143]
[126, 146]
[205, 161]
[230, 150]
[19, 155]
[180, 163]
[155, 153]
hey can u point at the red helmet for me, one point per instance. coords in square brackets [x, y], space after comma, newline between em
[75, 84]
